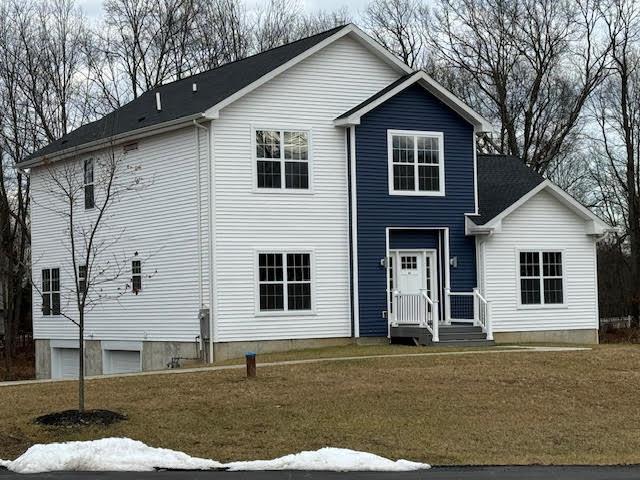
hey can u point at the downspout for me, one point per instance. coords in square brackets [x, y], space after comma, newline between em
[199, 210]
[210, 233]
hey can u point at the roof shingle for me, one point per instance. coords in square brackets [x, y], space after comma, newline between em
[178, 99]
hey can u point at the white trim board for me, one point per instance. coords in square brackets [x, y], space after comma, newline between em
[595, 226]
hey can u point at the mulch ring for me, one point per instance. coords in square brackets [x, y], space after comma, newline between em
[75, 418]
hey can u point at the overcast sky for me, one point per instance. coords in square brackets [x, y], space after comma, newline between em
[93, 8]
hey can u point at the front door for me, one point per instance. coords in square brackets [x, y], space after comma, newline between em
[414, 271]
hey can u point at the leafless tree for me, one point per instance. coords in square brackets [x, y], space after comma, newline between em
[400, 26]
[533, 65]
[616, 107]
[99, 274]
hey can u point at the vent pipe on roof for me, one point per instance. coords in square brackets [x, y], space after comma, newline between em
[158, 103]
[194, 87]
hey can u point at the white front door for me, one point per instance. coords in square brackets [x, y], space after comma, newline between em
[413, 272]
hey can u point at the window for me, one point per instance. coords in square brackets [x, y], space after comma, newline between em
[82, 278]
[282, 159]
[51, 291]
[541, 281]
[416, 163]
[89, 201]
[409, 262]
[136, 276]
[284, 281]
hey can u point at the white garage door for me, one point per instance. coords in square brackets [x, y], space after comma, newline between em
[123, 361]
[68, 362]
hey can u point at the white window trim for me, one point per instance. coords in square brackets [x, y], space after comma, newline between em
[254, 160]
[256, 283]
[541, 305]
[90, 160]
[415, 193]
[139, 292]
[59, 291]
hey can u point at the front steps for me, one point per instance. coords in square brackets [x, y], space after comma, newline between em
[455, 335]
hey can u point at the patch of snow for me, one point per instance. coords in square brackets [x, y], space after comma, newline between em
[107, 454]
[330, 459]
[124, 454]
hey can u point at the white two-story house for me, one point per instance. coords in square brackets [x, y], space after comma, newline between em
[318, 193]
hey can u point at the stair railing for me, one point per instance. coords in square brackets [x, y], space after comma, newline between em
[482, 313]
[416, 308]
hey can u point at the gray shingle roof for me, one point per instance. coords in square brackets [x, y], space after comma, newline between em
[177, 97]
[502, 181]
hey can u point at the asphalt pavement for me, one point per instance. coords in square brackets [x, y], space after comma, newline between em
[436, 473]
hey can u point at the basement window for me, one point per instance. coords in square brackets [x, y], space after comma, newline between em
[541, 279]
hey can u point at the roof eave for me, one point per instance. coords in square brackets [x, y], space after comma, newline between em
[428, 83]
[114, 140]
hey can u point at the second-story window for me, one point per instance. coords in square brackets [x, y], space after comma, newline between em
[51, 291]
[282, 160]
[136, 276]
[416, 163]
[82, 278]
[89, 201]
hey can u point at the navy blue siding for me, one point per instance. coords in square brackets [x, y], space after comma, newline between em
[412, 109]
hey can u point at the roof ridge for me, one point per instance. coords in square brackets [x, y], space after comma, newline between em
[324, 32]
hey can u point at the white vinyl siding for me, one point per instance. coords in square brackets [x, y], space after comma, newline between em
[160, 223]
[307, 97]
[540, 225]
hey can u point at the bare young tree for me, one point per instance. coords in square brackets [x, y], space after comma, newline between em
[71, 187]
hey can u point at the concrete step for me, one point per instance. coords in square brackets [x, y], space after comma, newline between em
[460, 328]
[464, 343]
[462, 335]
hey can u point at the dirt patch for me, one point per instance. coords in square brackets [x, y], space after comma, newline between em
[75, 418]
[619, 335]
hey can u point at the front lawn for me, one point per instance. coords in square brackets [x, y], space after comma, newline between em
[492, 408]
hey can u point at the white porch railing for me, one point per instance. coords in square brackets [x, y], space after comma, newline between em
[469, 306]
[416, 308]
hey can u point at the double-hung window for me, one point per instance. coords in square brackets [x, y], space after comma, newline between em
[282, 159]
[284, 282]
[82, 278]
[51, 291]
[541, 278]
[89, 201]
[136, 276]
[416, 163]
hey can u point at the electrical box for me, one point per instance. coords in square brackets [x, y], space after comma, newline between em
[203, 316]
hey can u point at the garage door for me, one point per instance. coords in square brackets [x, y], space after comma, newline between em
[68, 363]
[123, 361]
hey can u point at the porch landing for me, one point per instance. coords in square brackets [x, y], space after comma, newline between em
[454, 335]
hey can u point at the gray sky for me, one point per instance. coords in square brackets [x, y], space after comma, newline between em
[93, 8]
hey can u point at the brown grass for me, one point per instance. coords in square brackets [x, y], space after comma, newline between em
[504, 408]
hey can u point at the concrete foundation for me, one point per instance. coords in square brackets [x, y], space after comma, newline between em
[584, 336]
[43, 359]
[157, 355]
[92, 357]
[225, 351]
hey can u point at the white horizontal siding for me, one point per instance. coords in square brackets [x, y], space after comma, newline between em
[309, 95]
[159, 222]
[541, 223]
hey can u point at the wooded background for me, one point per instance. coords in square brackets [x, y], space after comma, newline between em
[559, 79]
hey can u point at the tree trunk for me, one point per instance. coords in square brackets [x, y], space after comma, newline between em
[81, 364]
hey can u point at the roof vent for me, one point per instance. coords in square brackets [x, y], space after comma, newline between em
[194, 87]
[158, 103]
